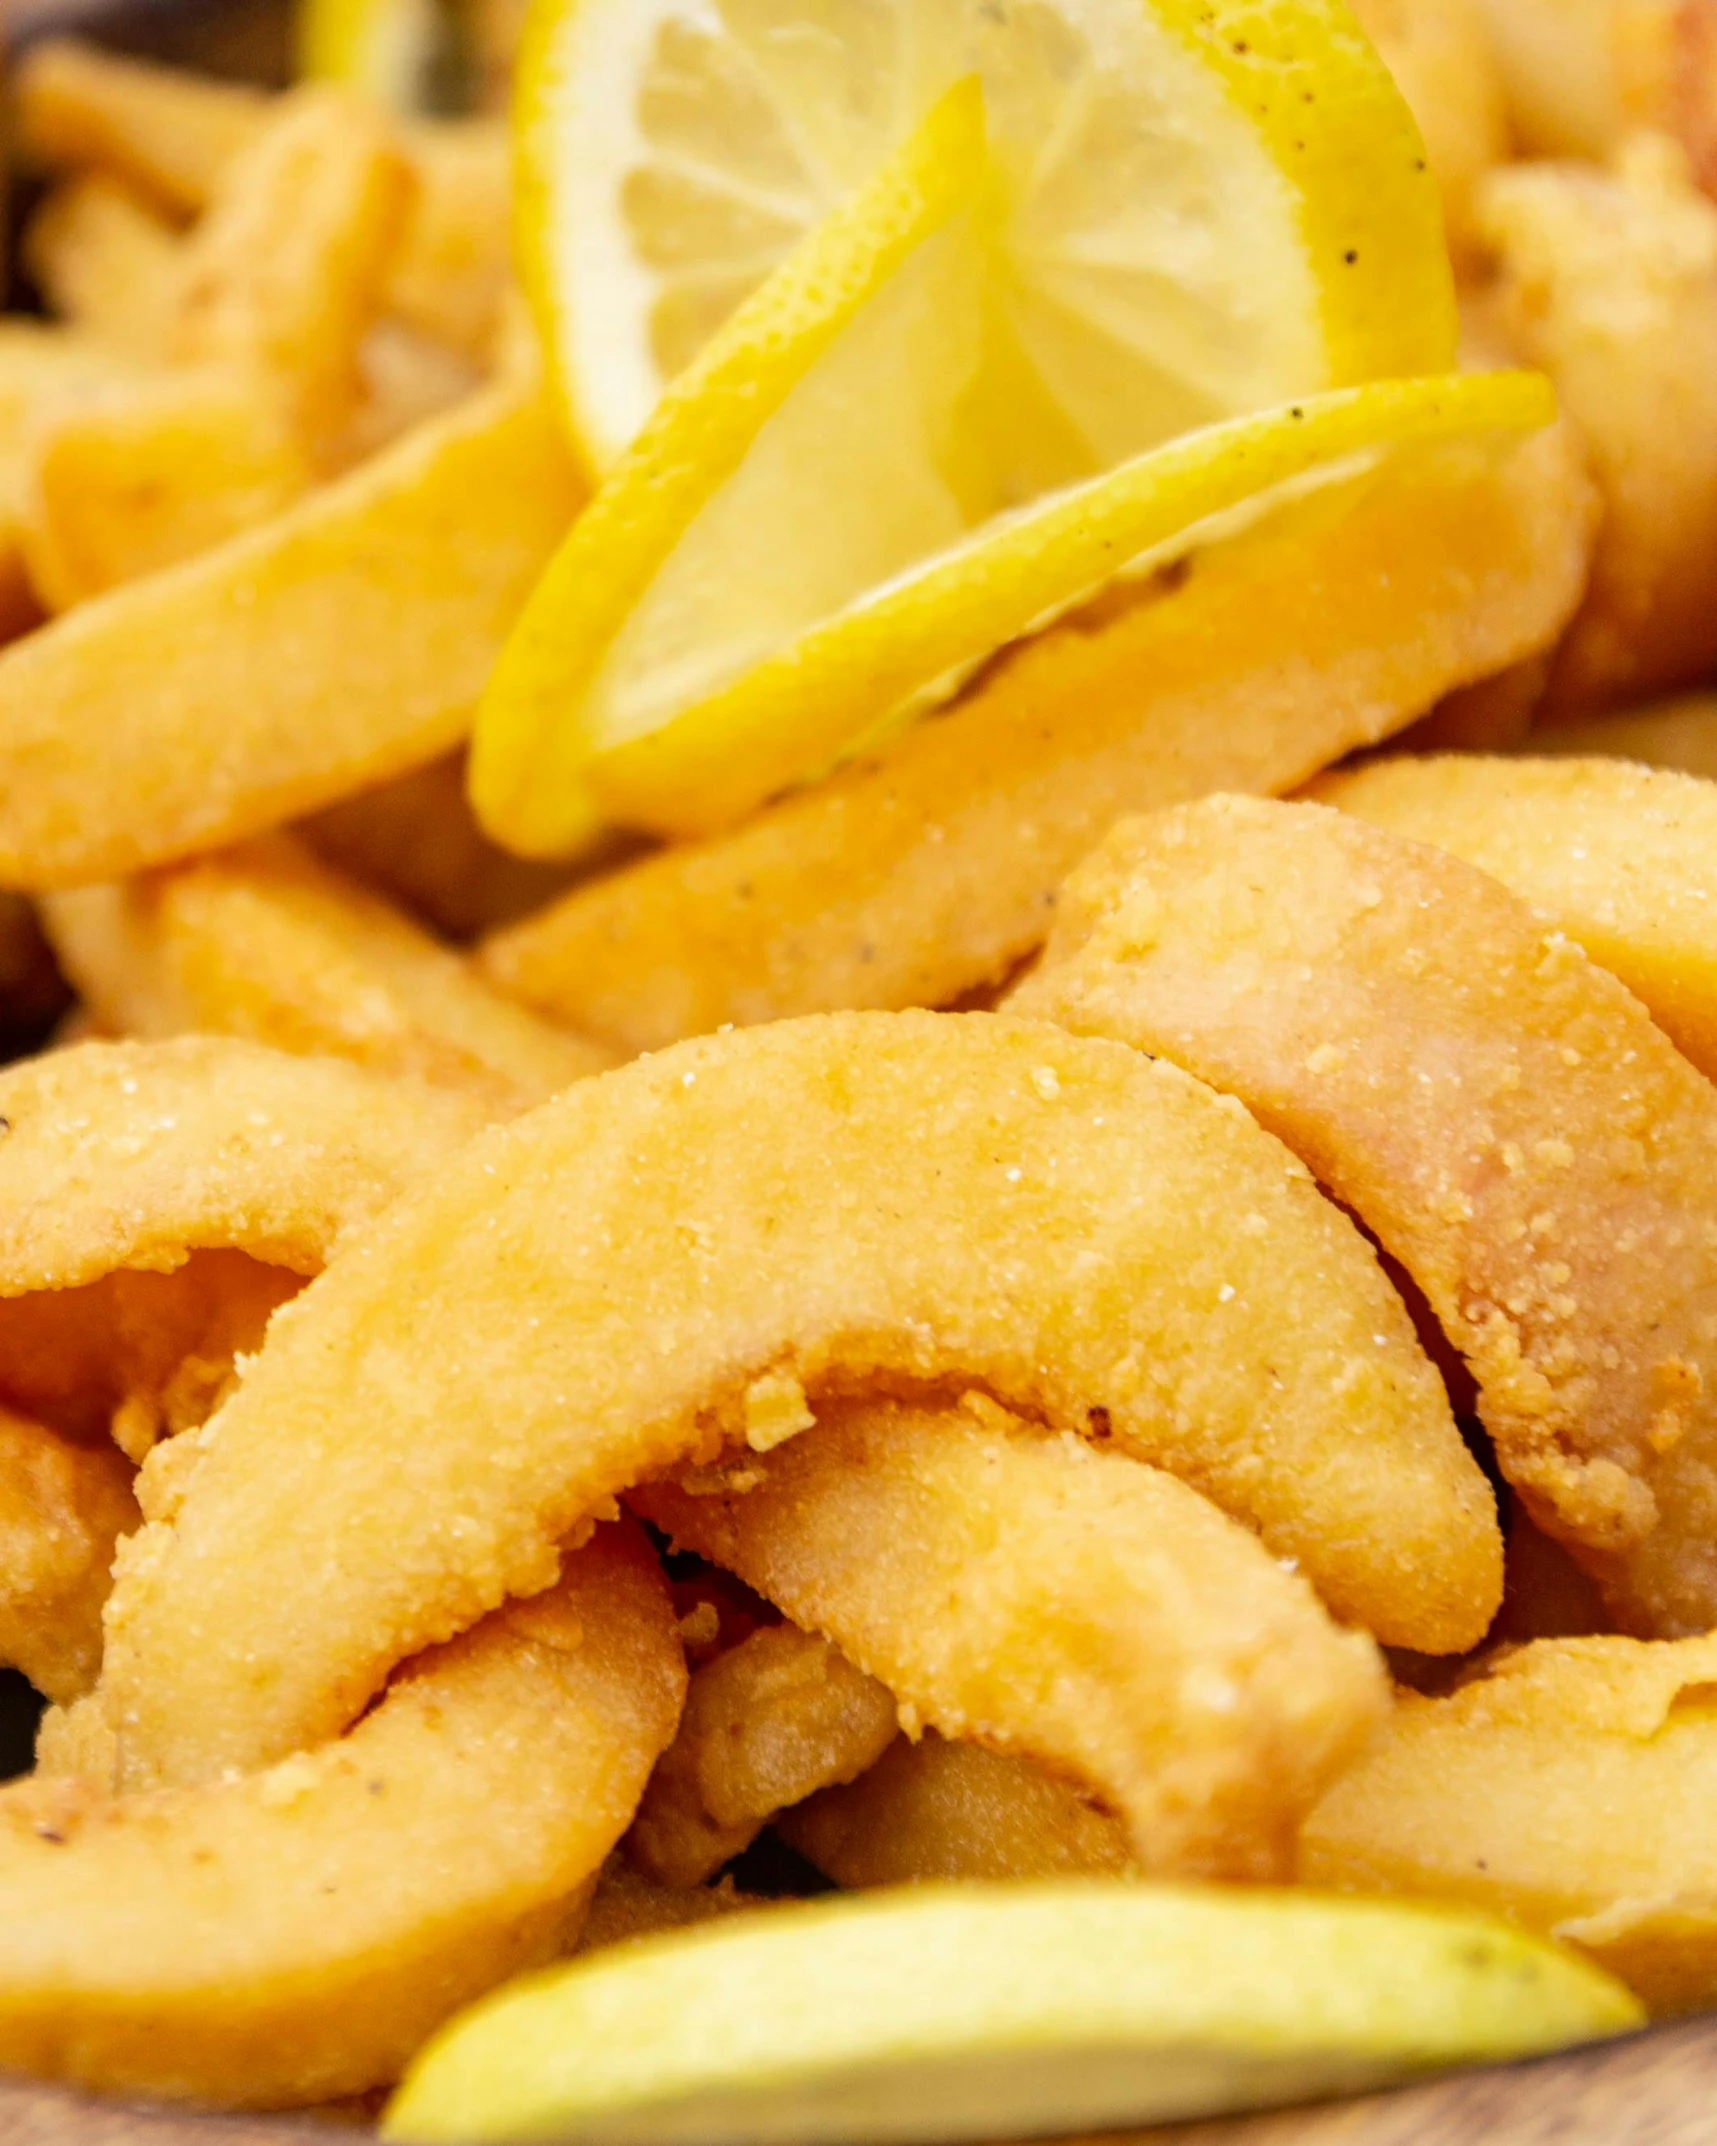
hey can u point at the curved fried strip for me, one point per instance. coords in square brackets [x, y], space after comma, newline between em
[263, 941]
[1622, 857]
[626, 1907]
[1569, 1790]
[135, 1154]
[1062, 1603]
[294, 1935]
[928, 872]
[63, 1507]
[936, 1809]
[765, 1725]
[1501, 1114]
[338, 644]
[606, 1288]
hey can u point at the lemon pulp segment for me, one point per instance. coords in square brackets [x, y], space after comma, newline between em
[1210, 205]
[893, 247]
[948, 2012]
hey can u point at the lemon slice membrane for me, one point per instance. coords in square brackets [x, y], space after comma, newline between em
[1209, 205]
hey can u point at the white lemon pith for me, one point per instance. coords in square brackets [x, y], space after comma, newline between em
[940, 2013]
[1208, 205]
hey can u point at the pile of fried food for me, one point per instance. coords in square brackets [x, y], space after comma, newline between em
[1122, 1287]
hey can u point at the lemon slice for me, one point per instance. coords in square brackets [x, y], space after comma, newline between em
[1208, 206]
[738, 670]
[959, 2012]
[392, 49]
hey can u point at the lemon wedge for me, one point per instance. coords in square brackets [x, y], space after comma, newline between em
[391, 49]
[960, 2012]
[1207, 206]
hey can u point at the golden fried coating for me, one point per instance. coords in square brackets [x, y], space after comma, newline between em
[1569, 1789]
[1501, 1114]
[62, 1509]
[1624, 859]
[927, 873]
[1608, 281]
[1441, 55]
[935, 1809]
[663, 1257]
[136, 1154]
[107, 267]
[765, 1725]
[294, 1935]
[264, 941]
[1581, 74]
[1061, 1602]
[167, 133]
[338, 644]
[283, 273]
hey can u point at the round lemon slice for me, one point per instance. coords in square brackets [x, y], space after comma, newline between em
[1207, 206]
[973, 2012]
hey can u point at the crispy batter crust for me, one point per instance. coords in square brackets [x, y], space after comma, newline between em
[1624, 858]
[293, 1935]
[1569, 1789]
[1059, 1602]
[661, 1258]
[1499, 1112]
[62, 1509]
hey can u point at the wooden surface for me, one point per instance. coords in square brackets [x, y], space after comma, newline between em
[1656, 2089]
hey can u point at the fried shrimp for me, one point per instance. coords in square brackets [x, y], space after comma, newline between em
[1499, 1112]
[63, 1507]
[670, 1256]
[266, 942]
[1568, 1789]
[293, 1935]
[765, 1725]
[1623, 858]
[930, 871]
[1062, 1603]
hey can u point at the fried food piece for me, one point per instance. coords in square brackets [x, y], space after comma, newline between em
[1060, 1602]
[1569, 1789]
[1501, 1114]
[135, 1154]
[765, 1725]
[107, 266]
[266, 942]
[417, 841]
[450, 273]
[340, 643]
[63, 1507]
[138, 478]
[1679, 733]
[158, 1202]
[936, 1809]
[660, 1260]
[625, 1907]
[1608, 281]
[283, 275]
[1580, 74]
[406, 380]
[73, 1741]
[1622, 858]
[291, 1936]
[167, 134]
[1441, 55]
[930, 871]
